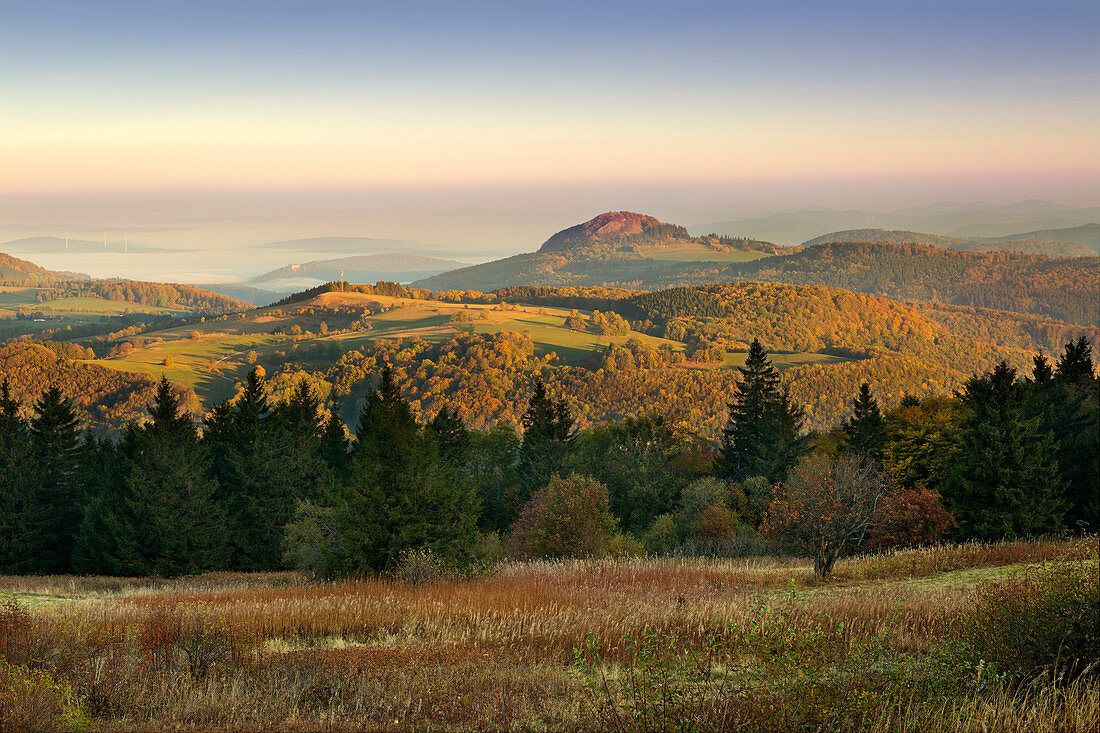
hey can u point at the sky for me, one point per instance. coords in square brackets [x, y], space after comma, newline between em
[115, 101]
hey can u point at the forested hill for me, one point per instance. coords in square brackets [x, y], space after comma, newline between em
[161, 295]
[1021, 243]
[1068, 290]
[105, 399]
[14, 270]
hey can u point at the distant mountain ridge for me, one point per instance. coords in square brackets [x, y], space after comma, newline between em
[363, 268]
[1019, 243]
[1087, 234]
[974, 220]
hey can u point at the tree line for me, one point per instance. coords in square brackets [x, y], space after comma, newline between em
[271, 483]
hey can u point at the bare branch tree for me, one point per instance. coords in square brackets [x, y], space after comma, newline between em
[826, 506]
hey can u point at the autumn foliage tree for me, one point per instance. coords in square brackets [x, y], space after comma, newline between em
[826, 507]
[910, 518]
[566, 518]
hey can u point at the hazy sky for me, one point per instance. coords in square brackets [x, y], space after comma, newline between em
[213, 96]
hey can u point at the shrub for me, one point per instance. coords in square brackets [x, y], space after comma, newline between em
[700, 494]
[312, 542]
[624, 546]
[566, 518]
[910, 518]
[662, 536]
[422, 565]
[32, 700]
[1044, 620]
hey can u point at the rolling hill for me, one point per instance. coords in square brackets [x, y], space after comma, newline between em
[619, 247]
[1022, 243]
[1087, 235]
[15, 270]
[360, 269]
[674, 352]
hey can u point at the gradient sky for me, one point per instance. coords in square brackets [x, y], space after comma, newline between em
[112, 96]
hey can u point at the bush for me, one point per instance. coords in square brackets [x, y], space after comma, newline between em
[32, 700]
[910, 518]
[1045, 620]
[662, 536]
[566, 518]
[422, 565]
[625, 546]
[312, 542]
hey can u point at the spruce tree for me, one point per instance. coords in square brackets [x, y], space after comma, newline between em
[546, 447]
[1005, 480]
[255, 482]
[334, 446]
[865, 430]
[450, 435]
[17, 485]
[168, 520]
[1067, 403]
[401, 496]
[55, 514]
[763, 434]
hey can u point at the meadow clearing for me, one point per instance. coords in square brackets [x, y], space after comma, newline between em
[942, 638]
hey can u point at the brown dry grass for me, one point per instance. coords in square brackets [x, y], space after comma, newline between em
[484, 653]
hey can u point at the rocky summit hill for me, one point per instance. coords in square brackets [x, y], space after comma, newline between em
[614, 228]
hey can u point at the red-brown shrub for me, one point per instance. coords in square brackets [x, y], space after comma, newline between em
[910, 518]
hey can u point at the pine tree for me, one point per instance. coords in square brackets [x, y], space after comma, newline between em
[763, 434]
[168, 521]
[401, 496]
[865, 429]
[450, 435]
[1067, 404]
[545, 450]
[55, 514]
[17, 485]
[1005, 480]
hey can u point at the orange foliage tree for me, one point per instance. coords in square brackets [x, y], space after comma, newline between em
[826, 507]
[566, 518]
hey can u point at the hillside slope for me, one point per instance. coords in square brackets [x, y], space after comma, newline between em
[1022, 243]
[15, 270]
[1088, 235]
[617, 247]
[360, 269]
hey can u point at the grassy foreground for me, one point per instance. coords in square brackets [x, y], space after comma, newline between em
[639, 644]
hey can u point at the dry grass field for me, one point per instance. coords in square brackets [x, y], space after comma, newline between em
[638, 644]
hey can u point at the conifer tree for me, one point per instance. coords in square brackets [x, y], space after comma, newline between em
[545, 450]
[1067, 404]
[451, 437]
[168, 521]
[299, 425]
[1005, 480]
[17, 484]
[334, 446]
[401, 496]
[865, 429]
[763, 434]
[55, 514]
